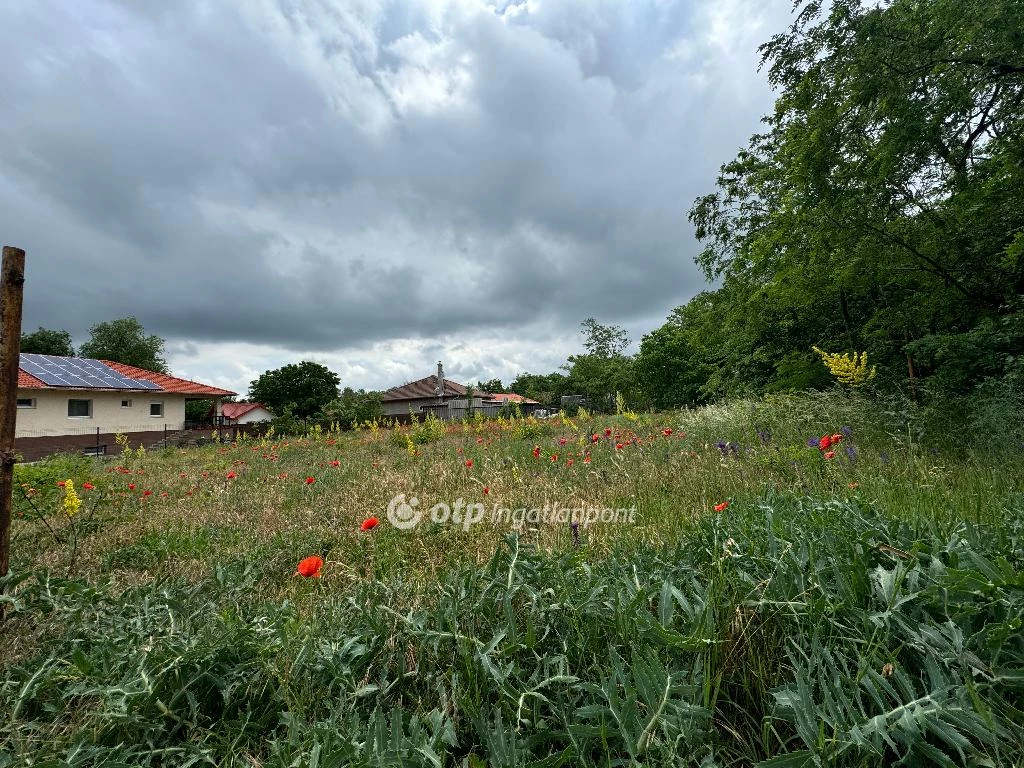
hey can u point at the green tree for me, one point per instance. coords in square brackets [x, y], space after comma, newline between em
[883, 202]
[125, 341]
[46, 341]
[303, 389]
[494, 385]
[603, 370]
[354, 407]
[668, 369]
[546, 389]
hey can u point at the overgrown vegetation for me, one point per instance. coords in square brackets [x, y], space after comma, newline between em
[863, 609]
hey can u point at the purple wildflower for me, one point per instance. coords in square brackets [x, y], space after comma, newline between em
[734, 448]
[851, 453]
[812, 442]
[884, 456]
[847, 430]
[765, 435]
[723, 447]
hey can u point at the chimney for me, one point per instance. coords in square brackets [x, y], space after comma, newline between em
[440, 379]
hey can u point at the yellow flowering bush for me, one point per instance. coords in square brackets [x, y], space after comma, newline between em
[851, 369]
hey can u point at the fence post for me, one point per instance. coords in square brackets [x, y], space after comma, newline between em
[97, 441]
[165, 434]
[11, 292]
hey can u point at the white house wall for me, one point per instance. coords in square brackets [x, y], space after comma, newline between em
[255, 415]
[50, 417]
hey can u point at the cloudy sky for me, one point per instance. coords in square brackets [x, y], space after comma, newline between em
[371, 184]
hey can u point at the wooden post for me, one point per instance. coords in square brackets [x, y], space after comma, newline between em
[12, 275]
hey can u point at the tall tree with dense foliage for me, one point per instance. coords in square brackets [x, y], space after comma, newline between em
[47, 341]
[125, 341]
[883, 207]
[303, 389]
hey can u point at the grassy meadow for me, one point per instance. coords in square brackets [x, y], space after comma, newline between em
[772, 601]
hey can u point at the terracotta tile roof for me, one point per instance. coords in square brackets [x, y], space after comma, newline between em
[507, 397]
[422, 388]
[169, 383]
[237, 410]
[28, 381]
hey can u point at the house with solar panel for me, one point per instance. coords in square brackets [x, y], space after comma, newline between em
[77, 404]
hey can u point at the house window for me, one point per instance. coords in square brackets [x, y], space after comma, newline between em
[79, 409]
[126, 403]
[26, 402]
[156, 409]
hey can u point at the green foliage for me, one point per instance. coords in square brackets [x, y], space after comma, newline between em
[45, 341]
[427, 430]
[882, 204]
[492, 386]
[546, 389]
[353, 408]
[125, 341]
[303, 389]
[668, 369]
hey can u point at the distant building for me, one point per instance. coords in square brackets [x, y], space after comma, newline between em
[245, 413]
[447, 399]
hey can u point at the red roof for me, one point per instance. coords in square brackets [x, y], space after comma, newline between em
[28, 381]
[423, 388]
[169, 383]
[507, 397]
[238, 410]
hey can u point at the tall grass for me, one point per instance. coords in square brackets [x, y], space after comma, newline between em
[809, 623]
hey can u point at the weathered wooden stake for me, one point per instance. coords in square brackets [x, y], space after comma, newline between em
[12, 275]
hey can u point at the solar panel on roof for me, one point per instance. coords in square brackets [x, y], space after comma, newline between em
[79, 372]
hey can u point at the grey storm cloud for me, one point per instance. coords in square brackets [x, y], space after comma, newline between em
[318, 175]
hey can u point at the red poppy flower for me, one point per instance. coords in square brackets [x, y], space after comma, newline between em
[335, 463]
[554, 457]
[721, 507]
[607, 431]
[469, 462]
[232, 475]
[830, 455]
[586, 459]
[667, 431]
[87, 486]
[131, 486]
[824, 443]
[183, 475]
[486, 490]
[837, 438]
[369, 524]
[310, 567]
[310, 480]
[562, 441]
[62, 484]
[618, 446]
[147, 493]
[595, 437]
[536, 451]
[568, 462]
